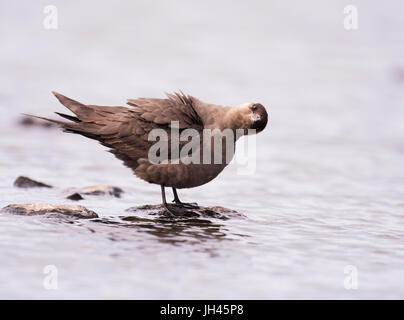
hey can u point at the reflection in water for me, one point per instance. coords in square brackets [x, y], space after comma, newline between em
[171, 230]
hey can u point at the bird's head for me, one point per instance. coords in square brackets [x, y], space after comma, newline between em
[252, 116]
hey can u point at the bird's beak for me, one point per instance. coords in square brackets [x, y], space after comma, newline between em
[256, 117]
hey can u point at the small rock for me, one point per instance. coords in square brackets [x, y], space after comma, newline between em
[25, 182]
[75, 197]
[34, 122]
[30, 209]
[100, 191]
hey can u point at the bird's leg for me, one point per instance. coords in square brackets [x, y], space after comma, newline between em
[163, 196]
[178, 202]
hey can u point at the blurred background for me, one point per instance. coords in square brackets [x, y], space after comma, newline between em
[329, 184]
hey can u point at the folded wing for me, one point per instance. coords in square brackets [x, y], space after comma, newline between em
[126, 130]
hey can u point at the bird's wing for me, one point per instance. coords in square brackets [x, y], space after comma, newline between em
[176, 107]
[126, 130]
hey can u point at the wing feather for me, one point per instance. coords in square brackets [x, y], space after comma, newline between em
[177, 107]
[124, 130]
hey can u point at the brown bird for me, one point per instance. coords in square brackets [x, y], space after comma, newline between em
[127, 131]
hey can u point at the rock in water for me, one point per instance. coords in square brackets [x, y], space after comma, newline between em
[30, 209]
[75, 197]
[25, 182]
[202, 212]
[100, 191]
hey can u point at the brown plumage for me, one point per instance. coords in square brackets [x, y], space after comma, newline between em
[125, 130]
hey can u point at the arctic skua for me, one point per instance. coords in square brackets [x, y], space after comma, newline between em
[126, 132]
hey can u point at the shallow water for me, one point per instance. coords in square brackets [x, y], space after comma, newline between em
[328, 190]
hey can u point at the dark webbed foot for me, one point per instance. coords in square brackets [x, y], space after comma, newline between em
[190, 205]
[176, 209]
[186, 205]
[170, 210]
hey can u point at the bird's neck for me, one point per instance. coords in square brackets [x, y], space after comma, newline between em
[219, 117]
[232, 119]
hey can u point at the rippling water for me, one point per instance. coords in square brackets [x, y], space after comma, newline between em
[328, 190]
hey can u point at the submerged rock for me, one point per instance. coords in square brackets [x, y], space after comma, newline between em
[75, 197]
[206, 212]
[25, 182]
[99, 191]
[31, 209]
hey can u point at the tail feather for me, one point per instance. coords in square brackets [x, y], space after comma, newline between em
[61, 123]
[73, 105]
[68, 126]
[87, 120]
[66, 116]
[81, 110]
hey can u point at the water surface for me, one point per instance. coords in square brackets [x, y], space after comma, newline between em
[328, 190]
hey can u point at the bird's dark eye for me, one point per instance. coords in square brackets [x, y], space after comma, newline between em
[254, 107]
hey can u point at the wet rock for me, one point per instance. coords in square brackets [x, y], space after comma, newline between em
[25, 182]
[31, 209]
[27, 121]
[100, 191]
[75, 197]
[216, 212]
